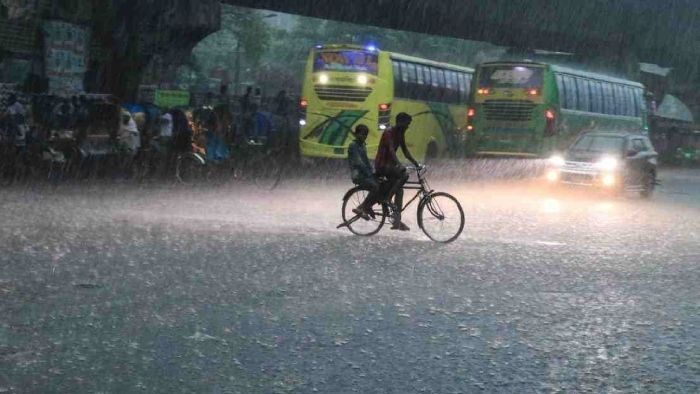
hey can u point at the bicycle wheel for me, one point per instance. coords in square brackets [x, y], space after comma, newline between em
[356, 224]
[190, 169]
[268, 176]
[441, 217]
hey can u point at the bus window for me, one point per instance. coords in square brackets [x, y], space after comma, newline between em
[420, 83]
[412, 81]
[419, 74]
[405, 86]
[584, 101]
[571, 99]
[427, 88]
[461, 86]
[448, 86]
[608, 99]
[457, 87]
[435, 85]
[562, 90]
[452, 86]
[404, 72]
[441, 82]
[596, 97]
[398, 83]
[468, 78]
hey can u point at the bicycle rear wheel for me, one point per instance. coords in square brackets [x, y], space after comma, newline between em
[356, 224]
[190, 169]
[441, 217]
[269, 174]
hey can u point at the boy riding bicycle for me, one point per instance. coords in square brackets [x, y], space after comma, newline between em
[362, 173]
[387, 165]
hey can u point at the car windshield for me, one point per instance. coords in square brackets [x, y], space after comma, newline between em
[599, 144]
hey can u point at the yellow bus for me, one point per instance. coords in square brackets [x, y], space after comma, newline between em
[347, 85]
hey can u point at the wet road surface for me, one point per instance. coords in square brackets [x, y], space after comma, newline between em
[118, 289]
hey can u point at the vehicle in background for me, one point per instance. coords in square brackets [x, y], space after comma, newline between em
[532, 109]
[345, 85]
[616, 161]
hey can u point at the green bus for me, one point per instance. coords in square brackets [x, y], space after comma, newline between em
[532, 109]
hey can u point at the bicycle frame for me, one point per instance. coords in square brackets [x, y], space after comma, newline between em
[421, 187]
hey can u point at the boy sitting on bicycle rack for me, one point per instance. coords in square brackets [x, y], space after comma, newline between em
[362, 172]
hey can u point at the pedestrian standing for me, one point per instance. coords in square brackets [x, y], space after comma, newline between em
[281, 103]
[17, 116]
[257, 98]
[246, 100]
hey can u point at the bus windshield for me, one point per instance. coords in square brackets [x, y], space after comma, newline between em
[506, 76]
[599, 144]
[348, 61]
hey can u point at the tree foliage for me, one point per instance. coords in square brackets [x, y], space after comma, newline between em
[274, 56]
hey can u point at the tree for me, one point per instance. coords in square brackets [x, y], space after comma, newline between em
[240, 44]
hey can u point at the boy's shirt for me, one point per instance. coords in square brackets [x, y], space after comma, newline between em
[360, 166]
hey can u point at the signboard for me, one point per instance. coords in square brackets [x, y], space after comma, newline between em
[172, 98]
[350, 61]
[65, 56]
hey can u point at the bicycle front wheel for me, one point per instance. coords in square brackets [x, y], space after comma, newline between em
[356, 224]
[441, 217]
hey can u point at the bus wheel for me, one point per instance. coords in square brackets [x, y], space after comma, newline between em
[431, 153]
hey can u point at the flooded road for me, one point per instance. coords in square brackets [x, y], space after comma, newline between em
[235, 289]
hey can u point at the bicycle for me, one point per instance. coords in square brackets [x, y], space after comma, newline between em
[440, 215]
[252, 161]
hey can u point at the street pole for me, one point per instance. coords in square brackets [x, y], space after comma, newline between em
[237, 71]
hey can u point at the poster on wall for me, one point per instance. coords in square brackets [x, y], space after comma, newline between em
[65, 56]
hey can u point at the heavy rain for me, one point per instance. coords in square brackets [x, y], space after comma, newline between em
[205, 197]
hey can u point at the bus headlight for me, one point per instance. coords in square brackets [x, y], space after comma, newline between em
[323, 79]
[362, 79]
[302, 122]
[553, 175]
[556, 161]
[607, 164]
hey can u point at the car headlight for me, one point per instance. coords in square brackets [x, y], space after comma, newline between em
[607, 164]
[556, 161]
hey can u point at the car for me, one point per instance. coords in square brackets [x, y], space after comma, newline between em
[612, 160]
